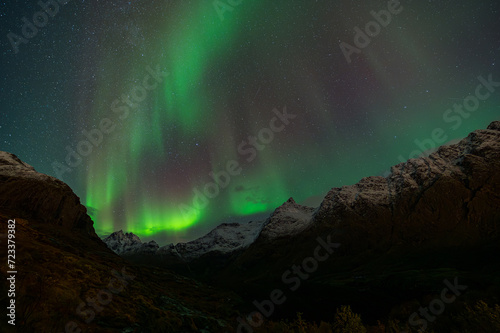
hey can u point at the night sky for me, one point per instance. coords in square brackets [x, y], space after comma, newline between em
[157, 98]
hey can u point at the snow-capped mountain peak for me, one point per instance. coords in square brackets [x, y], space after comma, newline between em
[129, 243]
[287, 220]
[224, 239]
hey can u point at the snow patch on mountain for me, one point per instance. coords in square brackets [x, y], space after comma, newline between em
[128, 243]
[224, 239]
[289, 219]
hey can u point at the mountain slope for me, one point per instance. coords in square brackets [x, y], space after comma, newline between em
[432, 218]
[68, 280]
[41, 197]
[455, 189]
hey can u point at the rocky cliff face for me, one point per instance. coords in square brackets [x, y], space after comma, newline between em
[456, 188]
[41, 197]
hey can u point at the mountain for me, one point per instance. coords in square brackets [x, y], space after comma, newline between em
[384, 246]
[450, 196]
[288, 220]
[227, 238]
[432, 218]
[460, 181]
[396, 239]
[41, 197]
[128, 243]
[68, 280]
[223, 240]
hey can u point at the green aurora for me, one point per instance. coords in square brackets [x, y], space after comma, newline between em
[221, 81]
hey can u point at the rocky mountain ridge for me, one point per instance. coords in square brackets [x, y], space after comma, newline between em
[466, 171]
[455, 188]
[224, 239]
[287, 220]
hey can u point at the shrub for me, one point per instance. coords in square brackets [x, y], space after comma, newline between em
[346, 321]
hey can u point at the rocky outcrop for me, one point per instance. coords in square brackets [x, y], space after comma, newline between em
[40, 197]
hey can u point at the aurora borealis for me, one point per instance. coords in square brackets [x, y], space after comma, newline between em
[183, 87]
